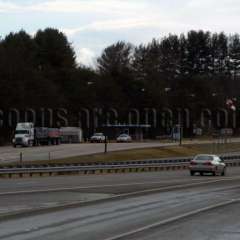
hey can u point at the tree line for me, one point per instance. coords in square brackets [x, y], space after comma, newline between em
[196, 70]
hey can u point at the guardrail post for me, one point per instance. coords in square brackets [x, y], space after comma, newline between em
[49, 156]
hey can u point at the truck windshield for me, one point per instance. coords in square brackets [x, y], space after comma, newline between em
[22, 132]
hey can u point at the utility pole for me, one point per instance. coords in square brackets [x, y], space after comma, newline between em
[105, 144]
[180, 132]
[21, 158]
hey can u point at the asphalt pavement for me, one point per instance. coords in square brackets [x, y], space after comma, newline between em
[217, 224]
[10, 154]
[169, 205]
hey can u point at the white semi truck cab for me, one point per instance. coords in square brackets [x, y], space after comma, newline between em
[24, 134]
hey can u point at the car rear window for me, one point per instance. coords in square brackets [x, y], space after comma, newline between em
[204, 158]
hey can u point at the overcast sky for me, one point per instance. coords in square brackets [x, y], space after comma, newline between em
[91, 25]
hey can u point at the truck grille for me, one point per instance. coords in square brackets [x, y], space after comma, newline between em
[18, 140]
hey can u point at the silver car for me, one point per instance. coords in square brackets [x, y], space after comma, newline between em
[97, 138]
[124, 138]
[205, 163]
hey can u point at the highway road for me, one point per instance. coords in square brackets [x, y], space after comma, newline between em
[165, 205]
[10, 154]
[217, 224]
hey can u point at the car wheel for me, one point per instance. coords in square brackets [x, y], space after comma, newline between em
[201, 173]
[192, 173]
[223, 172]
[214, 173]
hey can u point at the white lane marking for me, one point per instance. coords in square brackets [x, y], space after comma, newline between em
[120, 185]
[173, 219]
[27, 184]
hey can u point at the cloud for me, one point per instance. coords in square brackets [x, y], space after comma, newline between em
[8, 7]
[111, 15]
[213, 8]
[126, 24]
[85, 56]
[213, 3]
[74, 6]
[91, 25]
[109, 25]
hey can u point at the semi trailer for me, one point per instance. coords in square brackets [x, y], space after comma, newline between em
[27, 135]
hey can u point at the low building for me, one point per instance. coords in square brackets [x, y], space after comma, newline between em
[138, 132]
[71, 135]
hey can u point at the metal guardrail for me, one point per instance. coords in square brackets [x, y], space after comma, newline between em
[22, 172]
[100, 168]
[130, 162]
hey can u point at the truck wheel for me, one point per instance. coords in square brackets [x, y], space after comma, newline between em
[30, 143]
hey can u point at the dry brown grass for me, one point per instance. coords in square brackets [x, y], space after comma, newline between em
[147, 153]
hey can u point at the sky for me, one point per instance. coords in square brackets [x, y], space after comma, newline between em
[92, 25]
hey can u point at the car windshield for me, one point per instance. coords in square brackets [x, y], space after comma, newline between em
[204, 158]
[123, 135]
[22, 132]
